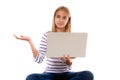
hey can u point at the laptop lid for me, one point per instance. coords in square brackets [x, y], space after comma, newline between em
[64, 43]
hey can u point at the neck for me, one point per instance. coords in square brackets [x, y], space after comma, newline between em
[60, 30]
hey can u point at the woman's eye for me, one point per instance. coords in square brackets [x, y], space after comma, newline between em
[65, 17]
[58, 16]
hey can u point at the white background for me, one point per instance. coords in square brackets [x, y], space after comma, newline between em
[100, 18]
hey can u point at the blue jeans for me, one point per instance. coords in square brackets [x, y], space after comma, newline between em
[83, 75]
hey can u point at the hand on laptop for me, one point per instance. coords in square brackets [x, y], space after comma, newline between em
[67, 59]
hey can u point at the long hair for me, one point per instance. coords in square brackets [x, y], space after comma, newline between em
[68, 25]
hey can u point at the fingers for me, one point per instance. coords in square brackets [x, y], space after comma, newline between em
[15, 36]
[68, 57]
[65, 57]
[18, 37]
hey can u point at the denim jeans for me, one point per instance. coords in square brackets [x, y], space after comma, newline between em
[83, 75]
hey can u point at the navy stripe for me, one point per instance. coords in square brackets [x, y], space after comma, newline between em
[56, 65]
[43, 44]
[43, 48]
[43, 38]
[36, 58]
[42, 51]
[40, 59]
[43, 41]
[45, 35]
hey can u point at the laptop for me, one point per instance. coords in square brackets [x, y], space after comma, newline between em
[66, 43]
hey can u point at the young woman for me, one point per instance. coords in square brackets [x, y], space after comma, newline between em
[57, 68]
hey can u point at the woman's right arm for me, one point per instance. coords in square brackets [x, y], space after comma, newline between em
[34, 50]
[29, 40]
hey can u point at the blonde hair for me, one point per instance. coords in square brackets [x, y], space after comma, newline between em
[68, 25]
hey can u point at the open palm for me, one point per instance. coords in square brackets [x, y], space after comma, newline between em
[22, 37]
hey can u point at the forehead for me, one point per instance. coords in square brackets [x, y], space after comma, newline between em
[62, 12]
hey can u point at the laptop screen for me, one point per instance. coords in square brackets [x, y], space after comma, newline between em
[66, 43]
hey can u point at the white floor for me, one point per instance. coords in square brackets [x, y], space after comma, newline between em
[100, 18]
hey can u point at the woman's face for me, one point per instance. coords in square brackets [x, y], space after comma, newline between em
[61, 19]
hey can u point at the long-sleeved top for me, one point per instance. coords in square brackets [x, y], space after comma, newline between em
[54, 65]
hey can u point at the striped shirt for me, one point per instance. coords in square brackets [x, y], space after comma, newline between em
[54, 65]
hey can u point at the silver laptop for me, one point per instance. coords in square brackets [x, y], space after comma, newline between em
[66, 43]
